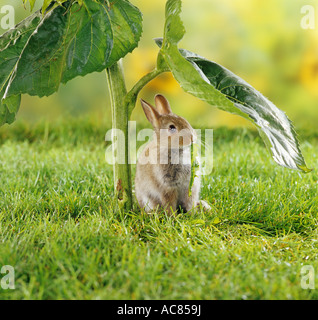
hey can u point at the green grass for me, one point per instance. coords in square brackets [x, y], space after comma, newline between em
[58, 229]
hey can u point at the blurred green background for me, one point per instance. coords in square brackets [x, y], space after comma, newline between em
[261, 41]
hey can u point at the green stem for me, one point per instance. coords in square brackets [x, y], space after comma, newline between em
[120, 117]
[131, 96]
[122, 105]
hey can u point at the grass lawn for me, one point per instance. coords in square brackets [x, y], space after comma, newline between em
[59, 232]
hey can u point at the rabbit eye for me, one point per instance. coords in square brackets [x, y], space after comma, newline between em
[172, 128]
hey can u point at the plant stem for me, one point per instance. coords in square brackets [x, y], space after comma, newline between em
[122, 105]
[120, 117]
[131, 96]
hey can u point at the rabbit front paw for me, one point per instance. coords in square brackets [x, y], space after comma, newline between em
[205, 206]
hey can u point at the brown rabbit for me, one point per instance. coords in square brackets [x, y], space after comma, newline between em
[164, 166]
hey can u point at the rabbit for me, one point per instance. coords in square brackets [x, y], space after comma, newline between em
[163, 169]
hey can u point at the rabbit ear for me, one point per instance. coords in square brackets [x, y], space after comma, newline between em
[151, 113]
[162, 104]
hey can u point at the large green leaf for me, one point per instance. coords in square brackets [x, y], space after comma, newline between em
[220, 87]
[69, 41]
[11, 45]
